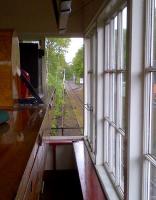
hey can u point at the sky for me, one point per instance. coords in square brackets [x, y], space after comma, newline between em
[76, 43]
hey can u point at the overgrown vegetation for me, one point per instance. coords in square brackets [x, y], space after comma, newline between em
[56, 49]
[77, 64]
[55, 56]
[76, 68]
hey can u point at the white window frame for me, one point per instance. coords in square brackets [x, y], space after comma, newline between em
[91, 101]
[134, 102]
[113, 71]
[150, 69]
[135, 99]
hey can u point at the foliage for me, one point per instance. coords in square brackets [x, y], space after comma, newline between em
[77, 63]
[55, 57]
[56, 49]
[69, 72]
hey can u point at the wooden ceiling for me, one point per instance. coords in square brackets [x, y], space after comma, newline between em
[35, 19]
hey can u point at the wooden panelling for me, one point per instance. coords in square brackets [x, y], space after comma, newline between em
[5, 87]
[19, 149]
[5, 45]
[9, 68]
[31, 182]
[34, 185]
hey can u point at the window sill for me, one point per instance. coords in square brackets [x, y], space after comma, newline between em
[90, 184]
[106, 183]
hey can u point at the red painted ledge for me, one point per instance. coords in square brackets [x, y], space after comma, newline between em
[90, 185]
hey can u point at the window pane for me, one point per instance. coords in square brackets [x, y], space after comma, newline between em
[111, 97]
[153, 115]
[154, 35]
[152, 183]
[123, 96]
[114, 44]
[122, 163]
[107, 46]
[106, 95]
[109, 145]
[124, 32]
[114, 98]
[112, 148]
[106, 141]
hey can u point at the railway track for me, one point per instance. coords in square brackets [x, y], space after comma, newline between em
[71, 121]
[73, 92]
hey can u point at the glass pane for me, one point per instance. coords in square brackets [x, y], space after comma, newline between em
[153, 115]
[114, 98]
[124, 33]
[123, 97]
[112, 150]
[109, 145]
[106, 141]
[111, 97]
[106, 46]
[114, 46]
[106, 95]
[122, 162]
[154, 35]
[152, 183]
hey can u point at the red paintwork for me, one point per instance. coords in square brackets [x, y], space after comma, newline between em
[55, 143]
[90, 185]
[24, 89]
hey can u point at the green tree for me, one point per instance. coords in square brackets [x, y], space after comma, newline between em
[55, 52]
[55, 59]
[69, 72]
[77, 63]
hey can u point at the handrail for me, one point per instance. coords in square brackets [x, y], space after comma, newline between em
[66, 128]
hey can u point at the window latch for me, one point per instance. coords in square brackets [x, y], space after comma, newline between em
[88, 107]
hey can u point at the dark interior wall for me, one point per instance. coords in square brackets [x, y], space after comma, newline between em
[35, 19]
[29, 58]
[89, 11]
